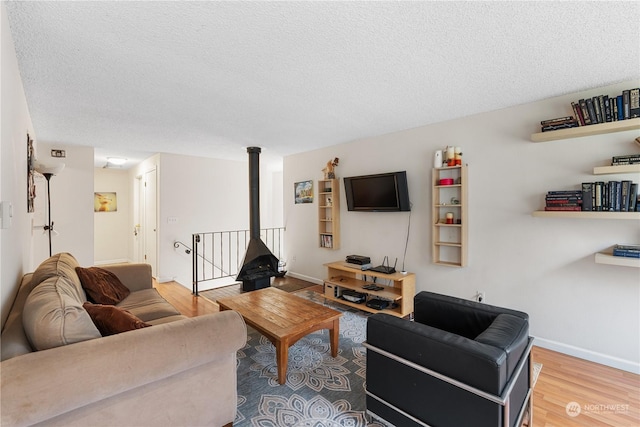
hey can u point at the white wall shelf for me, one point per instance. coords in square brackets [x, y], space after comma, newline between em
[597, 129]
[608, 258]
[587, 214]
[608, 170]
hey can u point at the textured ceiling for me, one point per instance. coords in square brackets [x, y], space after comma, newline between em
[208, 78]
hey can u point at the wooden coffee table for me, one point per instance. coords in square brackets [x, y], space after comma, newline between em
[284, 319]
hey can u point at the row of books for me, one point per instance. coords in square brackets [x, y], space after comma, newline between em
[628, 251]
[611, 196]
[598, 109]
[630, 159]
[326, 241]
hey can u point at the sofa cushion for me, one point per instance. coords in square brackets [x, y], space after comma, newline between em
[61, 264]
[102, 286]
[53, 315]
[148, 305]
[111, 320]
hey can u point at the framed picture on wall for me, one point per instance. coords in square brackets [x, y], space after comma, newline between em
[105, 202]
[31, 185]
[303, 192]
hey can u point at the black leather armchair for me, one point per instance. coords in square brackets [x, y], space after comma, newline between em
[460, 363]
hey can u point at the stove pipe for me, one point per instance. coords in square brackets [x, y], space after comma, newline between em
[259, 263]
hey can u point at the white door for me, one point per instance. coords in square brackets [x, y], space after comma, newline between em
[150, 226]
[138, 218]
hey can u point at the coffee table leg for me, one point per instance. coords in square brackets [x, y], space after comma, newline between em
[282, 356]
[334, 335]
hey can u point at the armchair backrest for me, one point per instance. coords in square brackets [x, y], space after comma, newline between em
[456, 315]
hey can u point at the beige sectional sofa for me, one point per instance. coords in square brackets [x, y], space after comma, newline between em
[57, 369]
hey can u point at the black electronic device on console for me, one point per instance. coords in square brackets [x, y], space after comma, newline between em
[358, 259]
[354, 296]
[378, 303]
[385, 267]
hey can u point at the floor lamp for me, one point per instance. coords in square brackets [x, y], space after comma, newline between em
[48, 171]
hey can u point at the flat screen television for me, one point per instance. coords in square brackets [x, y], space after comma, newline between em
[384, 192]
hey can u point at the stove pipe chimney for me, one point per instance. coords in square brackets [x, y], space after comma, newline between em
[259, 264]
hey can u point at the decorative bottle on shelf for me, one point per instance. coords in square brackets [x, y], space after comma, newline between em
[437, 159]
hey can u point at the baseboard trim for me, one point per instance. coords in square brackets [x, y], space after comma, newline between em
[113, 261]
[306, 278]
[592, 356]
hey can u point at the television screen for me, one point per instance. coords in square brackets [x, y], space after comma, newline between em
[385, 192]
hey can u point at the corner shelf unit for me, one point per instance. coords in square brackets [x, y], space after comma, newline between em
[329, 213]
[597, 129]
[400, 288]
[449, 241]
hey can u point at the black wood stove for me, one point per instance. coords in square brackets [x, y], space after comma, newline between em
[259, 264]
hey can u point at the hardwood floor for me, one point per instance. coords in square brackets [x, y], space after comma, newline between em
[605, 396]
[182, 299]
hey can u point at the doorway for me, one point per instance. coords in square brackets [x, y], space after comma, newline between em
[146, 227]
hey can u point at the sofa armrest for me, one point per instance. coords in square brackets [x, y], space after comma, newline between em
[45, 384]
[458, 315]
[136, 276]
[476, 364]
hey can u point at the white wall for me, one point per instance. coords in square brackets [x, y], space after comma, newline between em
[15, 123]
[23, 248]
[542, 266]
[71, 204]
[112, 230]
[202, 195]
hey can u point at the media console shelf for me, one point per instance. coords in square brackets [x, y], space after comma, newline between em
[398, 287]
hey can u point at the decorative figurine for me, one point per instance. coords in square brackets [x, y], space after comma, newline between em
[329, 171]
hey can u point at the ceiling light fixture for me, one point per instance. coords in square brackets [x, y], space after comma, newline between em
[118, 161]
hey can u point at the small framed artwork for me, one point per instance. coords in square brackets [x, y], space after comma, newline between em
[105, 202]
[303, 192]
[31, 185]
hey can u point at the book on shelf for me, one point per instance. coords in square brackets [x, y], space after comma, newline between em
[629, 159]
[598, 109]
[587, 196]
[591, 110]
[625, 193]
[326, 241]
[633, 197]
[563, 200]
[629, 251]
[625, 103]
[620, 107]
[577, 112]
[611, 196]
[634, 103]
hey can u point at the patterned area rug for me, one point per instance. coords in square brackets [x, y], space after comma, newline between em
[320, 391]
